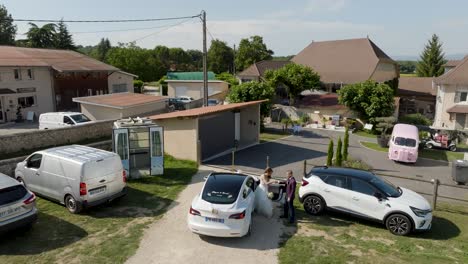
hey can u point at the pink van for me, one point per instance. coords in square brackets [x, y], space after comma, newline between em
[403, 145]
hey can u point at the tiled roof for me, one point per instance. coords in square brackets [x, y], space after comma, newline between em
[419, 85]
[189, 76]
[60, 60]
[461, 109]
[321, 101]
[119, 100]
[195, 112]
[259, 68]
[344, 61]
[458, 75]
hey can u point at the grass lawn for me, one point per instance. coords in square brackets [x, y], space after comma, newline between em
[408, 75]
[105, 234]
[336, 238]
[270, 136]
[365, 134]
[425, 153]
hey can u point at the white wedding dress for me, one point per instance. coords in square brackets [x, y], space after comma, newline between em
[263, 204]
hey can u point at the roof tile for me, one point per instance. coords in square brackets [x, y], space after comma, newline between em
[119, 100]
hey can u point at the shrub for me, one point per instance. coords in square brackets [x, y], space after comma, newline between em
[138, 85]
[330, 153]
[415, 119]
[339, 160]
[346, 144]
[304, 119]
[356, 164]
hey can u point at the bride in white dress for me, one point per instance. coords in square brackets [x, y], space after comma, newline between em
[263, 204]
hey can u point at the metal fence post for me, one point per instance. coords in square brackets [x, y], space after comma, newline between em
[232, 165]
[199, 159]
[434, 194]
[267, 162]
[305, 168]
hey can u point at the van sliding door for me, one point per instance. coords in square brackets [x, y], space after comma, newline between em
[157, 150]
[121, 147]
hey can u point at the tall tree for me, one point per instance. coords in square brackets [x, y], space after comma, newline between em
[63, 38]
[101, 50]
[432, 59]
[220, 57]
[7, 28]
[250, 51]
[197, 59]
[252, 91]
[41, 37]
[179, 59]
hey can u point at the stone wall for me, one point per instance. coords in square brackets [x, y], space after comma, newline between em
[38, 139]
[8, 166]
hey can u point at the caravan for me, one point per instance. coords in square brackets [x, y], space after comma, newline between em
[404, 143]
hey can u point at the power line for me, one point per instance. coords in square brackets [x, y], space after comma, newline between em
[160, 31]
[103, 21]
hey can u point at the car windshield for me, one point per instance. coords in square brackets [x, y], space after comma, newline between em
[389, 189]
[12, 194]
[407, 142]
[222, 188]
[80, 118]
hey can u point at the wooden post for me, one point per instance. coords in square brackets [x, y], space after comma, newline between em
[232, 165]
[434, 194]
[268, 162]
[305, 168]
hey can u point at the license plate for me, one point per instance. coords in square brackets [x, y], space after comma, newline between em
[9, 211]
[216, 220]
[96, 191]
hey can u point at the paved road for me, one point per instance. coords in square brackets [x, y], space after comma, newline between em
[312, 145]
[169, 240]
[14, 128]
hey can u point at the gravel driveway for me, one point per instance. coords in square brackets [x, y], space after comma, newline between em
[170, 241]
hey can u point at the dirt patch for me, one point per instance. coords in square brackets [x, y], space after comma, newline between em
[385, 241]
[305, 231]
[356, 253]
[419, 247]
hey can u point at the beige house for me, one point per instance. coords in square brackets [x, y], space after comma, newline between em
[121, 105]
[194, 88]
[452, 98]
[204, 133]
[256, 71]
[46, 80]
[417, 95]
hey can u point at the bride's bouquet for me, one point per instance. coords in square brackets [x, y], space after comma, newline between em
[270, 195]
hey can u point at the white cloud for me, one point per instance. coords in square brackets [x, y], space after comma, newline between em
[325, 5]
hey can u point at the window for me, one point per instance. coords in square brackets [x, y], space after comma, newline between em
[122, 146]
[119, 88]
[68, 120]
[385, 186]
[406, 142]
[90, 92]
[30, 74]
[337, 180]
[461, 97]
[361, 187]
[34, 161]
[12, 194]
[80, 118]
[17, 73]
[27, 101]
[222, 189]
[156, 149]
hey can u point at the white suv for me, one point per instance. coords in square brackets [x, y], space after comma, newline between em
[366, 195]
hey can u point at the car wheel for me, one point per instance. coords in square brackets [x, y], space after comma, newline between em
[314, 205]
[399, 225]
[429, 146]
[72, 205]
[453, 148]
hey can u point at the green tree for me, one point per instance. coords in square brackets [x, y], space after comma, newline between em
[102, 49]
[407, 67]
[295, 77]
[42, 37]
[251, 50]
[179, 59]
[63, 38]
[339, 155]
[330, 153]
[7, 28]
[196, 60]
[432, 59]
[253, 91]
[368, 99]
[227, 77]
[138, 85]
[346, 144]
[220, 56]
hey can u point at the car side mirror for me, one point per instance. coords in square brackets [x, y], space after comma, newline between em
[245, 193]
[379, 196]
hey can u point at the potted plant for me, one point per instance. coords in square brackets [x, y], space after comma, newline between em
[324, 120]
[384, 124]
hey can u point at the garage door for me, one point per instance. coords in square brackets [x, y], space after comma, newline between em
[216, 134]
[180, 91]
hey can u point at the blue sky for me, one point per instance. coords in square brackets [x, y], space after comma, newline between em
[398, 27]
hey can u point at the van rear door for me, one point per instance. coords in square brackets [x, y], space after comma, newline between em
[103, 178]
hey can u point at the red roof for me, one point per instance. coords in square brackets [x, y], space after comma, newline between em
[416, 85]
[119, 100]
[321, 100]
[461, 109]
[205, 110]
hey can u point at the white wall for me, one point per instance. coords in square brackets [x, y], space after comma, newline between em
[120, 78]
[41, 81]
[195, 89]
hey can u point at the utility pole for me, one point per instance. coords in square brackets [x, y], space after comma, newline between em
[234, 61]
[205, 71]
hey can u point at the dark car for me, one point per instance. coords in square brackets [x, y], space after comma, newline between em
[176, 103]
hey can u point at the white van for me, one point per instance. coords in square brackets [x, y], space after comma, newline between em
[61, 119]
[77, 176]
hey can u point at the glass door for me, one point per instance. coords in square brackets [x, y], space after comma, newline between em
[120, 145]
[157, 150]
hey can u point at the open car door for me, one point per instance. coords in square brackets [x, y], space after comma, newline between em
[120, 146]
[157, 150]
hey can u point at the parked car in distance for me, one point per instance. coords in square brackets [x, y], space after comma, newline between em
[61, 119]
[366, 195]
[185, 99]
[224, 206]
[17, 205]
[213, 102]
[177, 103]
[76, 176]
[404, 143]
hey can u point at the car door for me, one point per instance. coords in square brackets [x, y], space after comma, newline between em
[363, 201]
[31, 173]
[336, 193]
[67, 121]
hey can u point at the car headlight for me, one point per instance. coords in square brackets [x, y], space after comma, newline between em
[419, 212]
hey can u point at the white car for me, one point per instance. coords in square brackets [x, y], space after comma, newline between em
[62, 119]
[366, 195]
[185, 99]
[224, 206]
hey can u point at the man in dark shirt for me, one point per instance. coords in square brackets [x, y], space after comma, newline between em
[289, 211]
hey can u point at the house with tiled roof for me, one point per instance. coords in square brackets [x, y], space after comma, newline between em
[45, 80]
[417, 95]
[191, 84]
[256, 71]
[452, 97]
